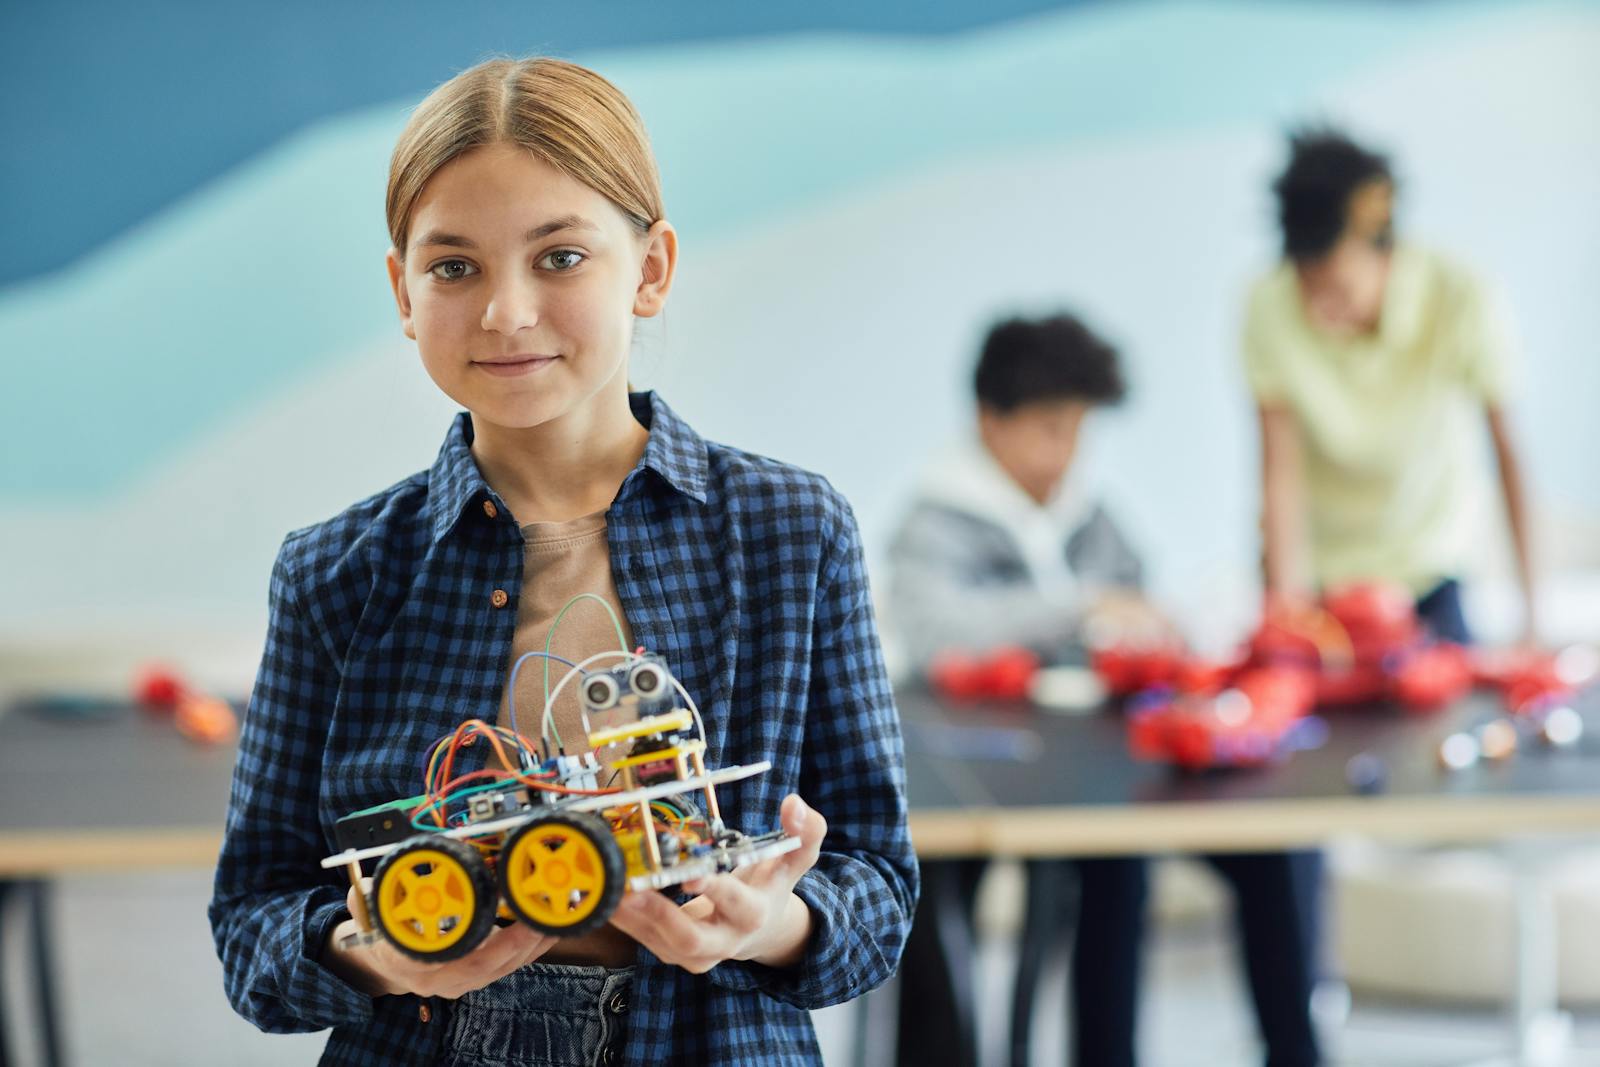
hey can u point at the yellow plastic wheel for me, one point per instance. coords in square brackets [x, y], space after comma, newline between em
[563, 873]
[433, 898]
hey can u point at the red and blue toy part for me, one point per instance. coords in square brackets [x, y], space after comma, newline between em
[1363, 645]
[1003, 674]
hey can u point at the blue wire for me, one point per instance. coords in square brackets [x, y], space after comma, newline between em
[443, 803]
[511, 697]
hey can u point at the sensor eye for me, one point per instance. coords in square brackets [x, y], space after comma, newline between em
[647, 679]
[600, 692]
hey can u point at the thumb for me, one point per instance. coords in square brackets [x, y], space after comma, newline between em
[802, 821]
[355, 900]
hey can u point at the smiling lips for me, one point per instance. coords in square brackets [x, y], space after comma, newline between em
[512, 366]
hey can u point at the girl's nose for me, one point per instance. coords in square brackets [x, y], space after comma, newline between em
[513, 305]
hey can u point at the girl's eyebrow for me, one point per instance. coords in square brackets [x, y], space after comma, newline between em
[564, 222]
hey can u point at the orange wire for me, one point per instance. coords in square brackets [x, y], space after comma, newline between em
[463, 731]
[532, 783]
[436, 796]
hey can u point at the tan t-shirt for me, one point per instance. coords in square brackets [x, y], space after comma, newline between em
[563, 559]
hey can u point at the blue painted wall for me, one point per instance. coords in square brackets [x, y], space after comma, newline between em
[200, 349]
[119, 109]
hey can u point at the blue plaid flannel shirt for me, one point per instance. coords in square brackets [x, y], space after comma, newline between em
[745, 573]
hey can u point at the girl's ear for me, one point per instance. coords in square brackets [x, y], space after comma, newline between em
[656, 270]
[397, 281]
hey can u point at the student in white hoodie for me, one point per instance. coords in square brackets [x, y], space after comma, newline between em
[1000, 548]
[997, 549]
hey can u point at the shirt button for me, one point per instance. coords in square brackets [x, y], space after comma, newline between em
[619, 1004]
[423, 1013]
[489, 509]
[499, 598]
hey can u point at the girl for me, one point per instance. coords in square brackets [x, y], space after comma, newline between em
[528, 233]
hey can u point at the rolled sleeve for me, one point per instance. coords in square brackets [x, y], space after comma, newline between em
[270, 912]
[863, 889]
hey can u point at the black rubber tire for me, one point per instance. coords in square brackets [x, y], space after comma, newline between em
[480, 881]
[613, 870]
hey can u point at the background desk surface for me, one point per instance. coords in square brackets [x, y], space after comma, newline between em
[1084, 794]
[117, 788]
[123, 790]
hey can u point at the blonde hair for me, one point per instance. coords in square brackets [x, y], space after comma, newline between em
[567, 115]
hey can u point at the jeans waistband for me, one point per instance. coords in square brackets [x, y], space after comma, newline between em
[543, 1015]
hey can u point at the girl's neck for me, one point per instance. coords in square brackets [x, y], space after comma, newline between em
[565, 468]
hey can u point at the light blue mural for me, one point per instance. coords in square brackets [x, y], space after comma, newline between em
[855, 206]
[270, 269]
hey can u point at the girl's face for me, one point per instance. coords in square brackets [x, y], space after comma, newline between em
[520, 286]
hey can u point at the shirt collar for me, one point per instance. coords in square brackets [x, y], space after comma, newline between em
[674, 452]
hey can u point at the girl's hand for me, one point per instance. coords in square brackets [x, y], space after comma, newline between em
[751, 914]
[382, 970]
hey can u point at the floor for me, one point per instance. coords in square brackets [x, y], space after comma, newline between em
[135, 956]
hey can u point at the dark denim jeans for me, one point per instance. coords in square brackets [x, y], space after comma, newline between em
[544, 1015]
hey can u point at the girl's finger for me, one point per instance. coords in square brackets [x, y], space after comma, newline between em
[736, 903]
[664, 929]
[502, 951]
[806, 823]
[356, 894]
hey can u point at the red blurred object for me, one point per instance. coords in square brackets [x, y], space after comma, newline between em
[1242, 725]
[956, 675]
[205, 720]
[1279, 640]
[1431, 677]
[198, 716]
[1530, 680]
[1009, 671]
[1363, 645]
[1367, 647]
[1374, 614]
[159, 687]
[1128, 670]
[1203, 675]
[1351, 684]
[1003, 674]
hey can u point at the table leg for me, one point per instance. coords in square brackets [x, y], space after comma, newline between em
[44, 972]
[1541, 1033]
[5, 1027]
[938, 1017]
[35, 895]
[1041, 925]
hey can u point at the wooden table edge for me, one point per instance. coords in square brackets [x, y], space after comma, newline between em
[1242, 826]
[37, 853]
[1213, 826]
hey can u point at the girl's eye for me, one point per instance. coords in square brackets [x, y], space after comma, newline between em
[451, 270]
[562, 259]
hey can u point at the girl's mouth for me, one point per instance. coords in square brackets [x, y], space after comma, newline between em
[514, 366]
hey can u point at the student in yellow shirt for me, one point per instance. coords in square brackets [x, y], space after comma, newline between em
[1376, 366]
